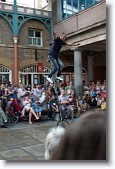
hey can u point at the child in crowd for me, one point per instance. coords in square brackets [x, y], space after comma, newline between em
[28, 108]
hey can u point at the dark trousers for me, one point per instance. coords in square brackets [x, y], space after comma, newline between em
[56, 66]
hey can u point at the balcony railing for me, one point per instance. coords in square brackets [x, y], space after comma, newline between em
[8, 7]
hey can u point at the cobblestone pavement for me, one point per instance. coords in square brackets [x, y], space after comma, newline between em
[22, 141]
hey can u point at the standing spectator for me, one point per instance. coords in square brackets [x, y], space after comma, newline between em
[21, 91]
[3, 117]
[2, 97]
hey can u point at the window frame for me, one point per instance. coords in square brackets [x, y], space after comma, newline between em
[36, 38]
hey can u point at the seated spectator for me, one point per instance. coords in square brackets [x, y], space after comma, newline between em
[69, 88]
[46, 85]
[43, 101]
[84, 140]
[49, 93]
[72, 105]
[99, 100]
[54, 106]
[85, 88]
[52, 141]
[79, 103]
[93, 92]
[103, 86]
[91, 101]
[37, 108]
[103, 104]
[28, 89]
[98, 87]
[83, 104]
[103, 94]
[64, 104]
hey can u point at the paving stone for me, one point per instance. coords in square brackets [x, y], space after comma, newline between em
[37, 150]
[14, 153]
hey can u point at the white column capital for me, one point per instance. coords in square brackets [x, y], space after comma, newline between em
[76, 49]
[15, 38]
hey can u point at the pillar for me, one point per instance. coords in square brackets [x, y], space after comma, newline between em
[90, 67]
[15, 38]
[78, 81]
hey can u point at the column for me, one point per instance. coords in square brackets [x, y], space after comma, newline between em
[15, 38]
[78, 82]
[90, 67]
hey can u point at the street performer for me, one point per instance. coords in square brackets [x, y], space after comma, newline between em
[56, 63]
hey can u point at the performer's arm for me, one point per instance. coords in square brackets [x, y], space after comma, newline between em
[54, 35]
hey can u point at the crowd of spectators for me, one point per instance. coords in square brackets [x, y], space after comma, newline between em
[43, 97]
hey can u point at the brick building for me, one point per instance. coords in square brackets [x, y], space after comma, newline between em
[25, 34]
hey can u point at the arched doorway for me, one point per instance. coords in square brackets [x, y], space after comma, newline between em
[33, 74]
[68, 74]
[5, 74]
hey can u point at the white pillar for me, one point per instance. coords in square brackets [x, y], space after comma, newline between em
[90, 67]
[59, 11]
[78, 81]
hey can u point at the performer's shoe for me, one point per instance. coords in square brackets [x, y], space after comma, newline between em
[59, 78]
[49, 79]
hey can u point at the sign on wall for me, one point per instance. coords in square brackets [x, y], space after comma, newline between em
[40, 67]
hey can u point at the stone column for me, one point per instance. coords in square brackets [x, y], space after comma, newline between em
[15, 38]
[78, 81]
[90, 67]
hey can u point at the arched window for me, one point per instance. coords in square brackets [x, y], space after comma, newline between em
[5, 74]
[30, 74]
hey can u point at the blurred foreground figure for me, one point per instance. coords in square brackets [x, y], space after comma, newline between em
[84, 140]
[52, 141]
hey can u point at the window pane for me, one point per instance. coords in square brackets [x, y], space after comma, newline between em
[31, 33]
[96, 1]
[37, 34]
[81, 4]
[69, 5]
[75, 6]
[30, 41]
[69, 2]
[89, 3]
[34, 41]
[38, 41]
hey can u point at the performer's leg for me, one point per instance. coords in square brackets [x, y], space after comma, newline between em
[60, 64]
[54, 68]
